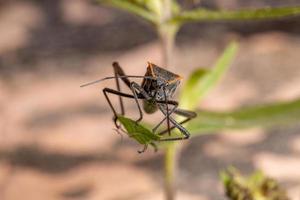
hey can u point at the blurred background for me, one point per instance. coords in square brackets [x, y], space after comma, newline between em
[57, 139]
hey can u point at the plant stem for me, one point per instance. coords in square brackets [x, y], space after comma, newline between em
[167, 33]
[167, 38]
[171, 164]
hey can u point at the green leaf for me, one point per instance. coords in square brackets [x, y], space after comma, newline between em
[189, 94]
[244, 14]
[272, 115]
[137, 131]
[135, 7]
[201, 81]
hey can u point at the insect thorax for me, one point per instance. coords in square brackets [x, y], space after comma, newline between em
[158, 92]
[161, 87]
[163, 81]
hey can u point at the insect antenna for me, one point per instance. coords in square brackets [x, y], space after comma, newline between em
[113, 77]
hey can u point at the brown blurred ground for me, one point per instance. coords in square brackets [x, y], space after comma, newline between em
[56, 139]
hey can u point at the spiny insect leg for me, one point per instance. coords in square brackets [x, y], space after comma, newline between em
[185, 113]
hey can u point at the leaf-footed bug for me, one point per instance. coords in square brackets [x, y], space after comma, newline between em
[156, 90]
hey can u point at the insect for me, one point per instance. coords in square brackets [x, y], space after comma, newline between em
[156, 91]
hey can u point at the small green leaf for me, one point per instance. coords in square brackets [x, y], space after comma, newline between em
[137, 131]
[189, 93]
[135, 7]
[201, 81]
[244, 14]
[278, 114]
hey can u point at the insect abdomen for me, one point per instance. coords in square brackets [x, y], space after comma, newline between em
[149, 106]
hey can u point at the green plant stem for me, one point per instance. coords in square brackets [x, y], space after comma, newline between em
[167, 33]
[167, 39]
[170, 152]
[171, 164]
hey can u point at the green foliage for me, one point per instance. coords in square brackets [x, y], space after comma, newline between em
[255, 187]
[245, 14]
[153, 11]
[276, 114]
[136, 7]
[138, 132]
[201, 81]
[150, 10]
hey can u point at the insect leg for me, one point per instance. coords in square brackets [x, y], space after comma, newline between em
[175, 104]
[168, 114]
[136, 87]
[118, 71]
[185, 113]
[133, 86]
[185, 133]
[121, 74]
[111, 91]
